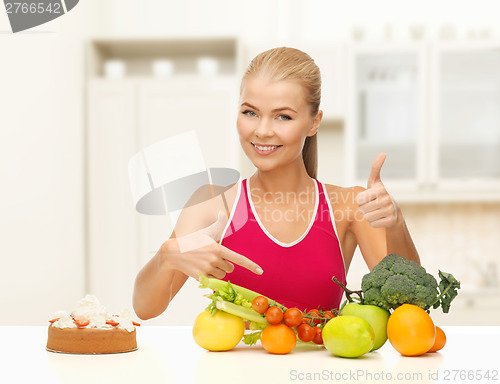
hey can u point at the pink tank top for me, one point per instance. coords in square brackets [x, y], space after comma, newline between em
[297, 274]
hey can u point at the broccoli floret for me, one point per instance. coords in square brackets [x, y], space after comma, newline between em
[375, 280]
[398, 289]
[388, 261]
[374, 297]
[429, 281]
[425, 293]
[410, 269]
[395, 281]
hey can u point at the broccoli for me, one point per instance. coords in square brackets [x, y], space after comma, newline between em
[395, 281]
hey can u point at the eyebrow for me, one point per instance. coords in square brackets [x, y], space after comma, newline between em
[274, 110]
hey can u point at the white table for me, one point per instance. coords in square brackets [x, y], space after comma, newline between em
[169, 355]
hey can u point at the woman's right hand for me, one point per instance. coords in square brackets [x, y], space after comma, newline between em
[200, 252]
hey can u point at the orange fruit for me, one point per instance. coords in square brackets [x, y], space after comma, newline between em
[440, 340]
[411, 330]
[278, 338]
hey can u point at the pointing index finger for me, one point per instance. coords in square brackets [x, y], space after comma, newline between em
[241, 260]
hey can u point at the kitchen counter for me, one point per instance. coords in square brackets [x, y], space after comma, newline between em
[169, 355]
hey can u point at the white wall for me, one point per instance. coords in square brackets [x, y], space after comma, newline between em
[41, 170]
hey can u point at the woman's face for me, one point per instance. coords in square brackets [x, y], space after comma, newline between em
[273, 122]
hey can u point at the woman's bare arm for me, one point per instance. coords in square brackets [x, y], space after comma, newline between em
[156, 284]
[376, 243]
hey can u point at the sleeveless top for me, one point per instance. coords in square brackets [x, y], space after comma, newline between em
[297, 274]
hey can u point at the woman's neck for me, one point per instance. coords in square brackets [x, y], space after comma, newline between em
[294, 179]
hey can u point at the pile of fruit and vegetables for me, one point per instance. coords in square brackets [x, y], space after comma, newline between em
[393, 304]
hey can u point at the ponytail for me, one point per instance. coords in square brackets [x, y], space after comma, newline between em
[310, 155]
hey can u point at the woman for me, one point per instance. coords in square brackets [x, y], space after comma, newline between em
[280, 232]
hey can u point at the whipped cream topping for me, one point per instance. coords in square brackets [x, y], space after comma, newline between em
[125, 320]
[89, 308]
[65, 320]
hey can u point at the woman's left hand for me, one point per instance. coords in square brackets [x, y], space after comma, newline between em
[375, 203]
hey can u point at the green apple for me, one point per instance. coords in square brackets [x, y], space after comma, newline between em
[376, 316]
[348, 336]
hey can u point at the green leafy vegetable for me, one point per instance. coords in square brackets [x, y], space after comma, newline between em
[448, 290]
[251, 338]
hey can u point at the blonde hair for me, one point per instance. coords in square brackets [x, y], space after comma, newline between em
[292, 64]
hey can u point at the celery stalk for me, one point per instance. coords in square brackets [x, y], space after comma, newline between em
[238, 310]
[216, 284]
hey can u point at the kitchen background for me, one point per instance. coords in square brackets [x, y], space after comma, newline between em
[80, 95]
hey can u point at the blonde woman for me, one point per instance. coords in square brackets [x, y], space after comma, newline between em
[280, 232]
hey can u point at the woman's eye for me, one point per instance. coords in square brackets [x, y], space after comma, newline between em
[284, 117]
[249, 113]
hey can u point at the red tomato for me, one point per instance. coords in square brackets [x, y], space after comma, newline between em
[293, 317]
[260, 304]
[328, 315]
[316, 318]
[274, 315]
[306, 332]
[318, 337]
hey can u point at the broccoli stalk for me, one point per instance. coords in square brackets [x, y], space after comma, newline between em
[348, 292]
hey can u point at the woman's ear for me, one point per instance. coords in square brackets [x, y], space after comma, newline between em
[316, 123]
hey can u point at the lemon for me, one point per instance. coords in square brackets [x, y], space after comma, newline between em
[219, 332]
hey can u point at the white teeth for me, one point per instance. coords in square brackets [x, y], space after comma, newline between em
[265, 148]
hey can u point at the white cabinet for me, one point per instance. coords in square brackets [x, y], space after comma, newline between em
[465, 121]
[386, 112]
[435, 110]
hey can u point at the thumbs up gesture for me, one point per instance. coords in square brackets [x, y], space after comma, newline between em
[375, 203]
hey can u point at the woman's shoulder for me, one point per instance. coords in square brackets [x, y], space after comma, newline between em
[343, 202]
[203, 207]
[345, 195]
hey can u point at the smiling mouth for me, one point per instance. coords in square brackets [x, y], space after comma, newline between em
[266, 147]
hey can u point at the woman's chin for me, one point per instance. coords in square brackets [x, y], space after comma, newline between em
[263, 166]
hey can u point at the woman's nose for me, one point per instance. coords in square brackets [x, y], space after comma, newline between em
[264, 128]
